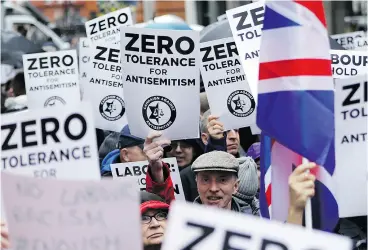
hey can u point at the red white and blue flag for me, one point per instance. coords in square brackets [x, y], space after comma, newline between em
[277, 163]
[295, 89]
[296, 107]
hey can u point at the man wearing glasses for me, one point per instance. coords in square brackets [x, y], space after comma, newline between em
[154, 216]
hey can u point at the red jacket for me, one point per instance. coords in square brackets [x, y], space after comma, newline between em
[164, 190]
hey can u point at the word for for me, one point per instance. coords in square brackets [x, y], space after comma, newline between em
[160, 81]
[219, 51]
[232, 237]
[349, 60]
[49, 157]
[50, 62]
[157, 44]
[108, 23]
[355, 96]
[256, 15]
[149, 60]
[49, 128]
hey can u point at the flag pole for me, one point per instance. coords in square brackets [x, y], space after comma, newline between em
[308, 207]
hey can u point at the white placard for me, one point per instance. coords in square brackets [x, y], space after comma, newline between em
[226, 85]
[50, 143]
[255, 129]
[347, 40]
[246, 24]
[84, 57]
[203, 227]
[351, 142]
[106, 29]
[52, 79]
[346, 64]
[104, 87]
[161, 81]
[54, 214]
[138, 170]
[361, 44]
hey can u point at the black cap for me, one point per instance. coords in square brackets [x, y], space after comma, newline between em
[126, 139]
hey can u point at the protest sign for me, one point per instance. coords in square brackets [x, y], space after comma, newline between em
[106, 29]
[227, 89]
[50, 143]
[204, 227]
[138, 170]
[351, 123]
[104, 87]
[347, 40]
[348, 63]
[54, 214]
[84, 59]
[246, 24]
[161, 81]
[361, 43]
[52, 79]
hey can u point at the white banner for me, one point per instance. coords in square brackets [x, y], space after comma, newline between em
[361, 44]
[161, 81]
[104, 87]
[50, 143]
[106, 29]
[246, 24]
[203, 227]
[348, 63]
[351, 142]
[348, 40]
[50, 214]
[138, 171]
[84, 57]
[227, 89]
[52, 79]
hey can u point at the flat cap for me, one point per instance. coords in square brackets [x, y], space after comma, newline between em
[216, 161]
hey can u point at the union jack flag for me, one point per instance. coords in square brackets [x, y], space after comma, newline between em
[296, 106]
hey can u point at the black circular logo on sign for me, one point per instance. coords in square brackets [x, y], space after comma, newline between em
[54, 101]
[241, 103]
[112, 107]
[158, 112]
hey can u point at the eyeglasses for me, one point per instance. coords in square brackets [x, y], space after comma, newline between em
[181, 144]
[160, 216]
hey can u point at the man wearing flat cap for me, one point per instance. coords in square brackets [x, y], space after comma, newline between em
[217, 179]
[216, 175]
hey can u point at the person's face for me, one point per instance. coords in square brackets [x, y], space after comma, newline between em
[132, 154]
[216, 188]
[183, 152]
[153, 228]
[232, 142]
